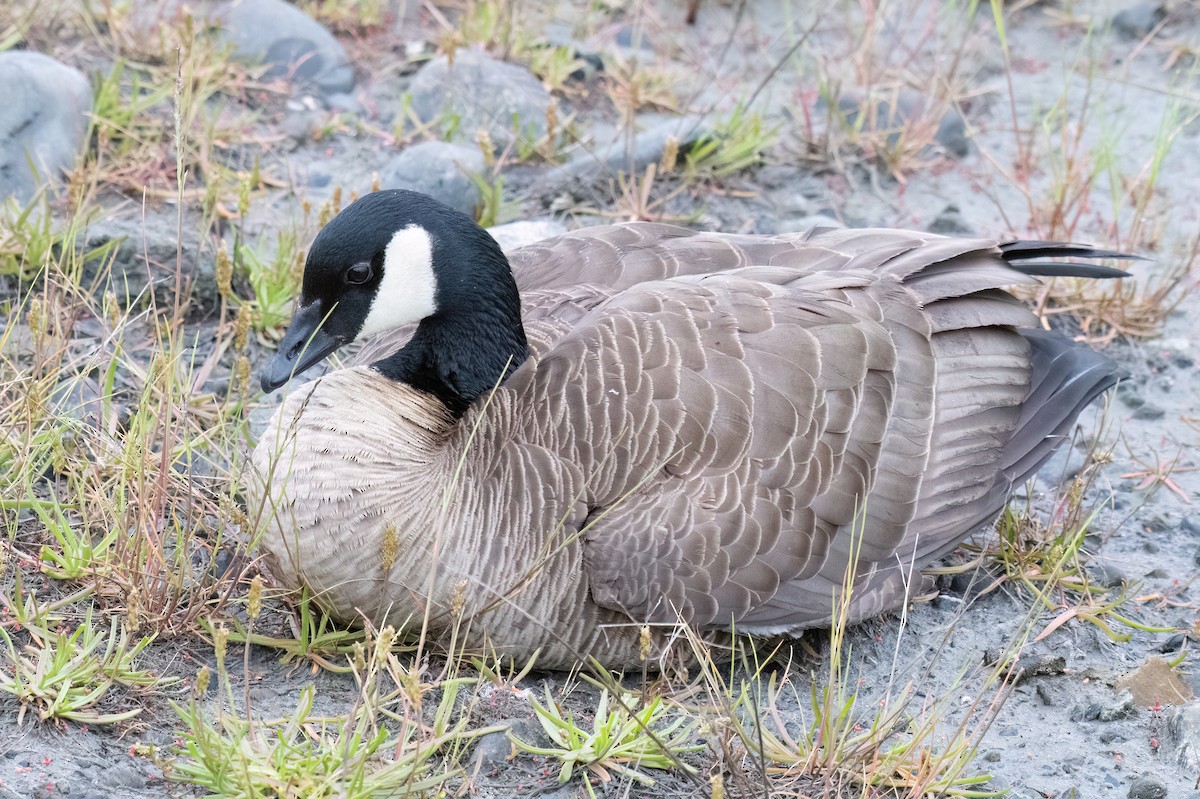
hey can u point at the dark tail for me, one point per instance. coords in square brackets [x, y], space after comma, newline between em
[1065, 378]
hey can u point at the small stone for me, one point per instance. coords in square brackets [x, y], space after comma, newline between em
[950, 222]
[1138, 21]
[1107, 575]
[514, 235]
[630, 37]
[506, 100]
[1122, 706]
[43, 120]
[439, 169]
[1147, 788]
[1072, 764]
[1174, 643]
[122, 775]
[1130, 395]
[1149, 412]
[295, 45]
[1043, 693]
[1191, 524]
[493, 750]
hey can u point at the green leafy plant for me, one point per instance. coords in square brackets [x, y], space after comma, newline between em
[315, 637]
[735, 144]
[621, 739]
[301, 757]
[554, 65]
[66, 675]
[32, 238]
[77, 554]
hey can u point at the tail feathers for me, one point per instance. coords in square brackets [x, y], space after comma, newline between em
[1022, 256]
[1065, 378]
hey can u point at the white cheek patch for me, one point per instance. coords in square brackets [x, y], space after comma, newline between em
[406, 293]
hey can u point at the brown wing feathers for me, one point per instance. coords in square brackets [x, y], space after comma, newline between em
[750, 414]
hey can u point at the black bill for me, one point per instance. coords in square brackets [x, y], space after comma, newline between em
[303, 345]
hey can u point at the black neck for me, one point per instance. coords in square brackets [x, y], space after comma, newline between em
[475, 340]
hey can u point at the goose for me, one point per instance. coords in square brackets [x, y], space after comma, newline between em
[633, 426]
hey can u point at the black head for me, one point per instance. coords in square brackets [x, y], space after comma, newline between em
[390, 259]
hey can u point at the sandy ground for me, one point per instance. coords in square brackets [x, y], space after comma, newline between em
[1065, 729]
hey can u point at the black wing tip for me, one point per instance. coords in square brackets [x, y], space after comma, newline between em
[1022, 255]
[1067, 269]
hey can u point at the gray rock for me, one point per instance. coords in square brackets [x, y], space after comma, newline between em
[1147, 788]
[294, 44]
[43, 120]
[519, 234]
[1148, 411]
[438, 169]
[1183, 727]
[1119, 708]
[145, 259]
[1107, 574]
[504, 99]
[122, 775]
[492, 751]
[894, 113]
[647, 149]
[950, 222]
[1138, 21]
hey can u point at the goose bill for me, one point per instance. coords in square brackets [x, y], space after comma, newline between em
[304, 344]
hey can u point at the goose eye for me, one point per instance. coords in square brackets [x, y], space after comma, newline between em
[358, 274]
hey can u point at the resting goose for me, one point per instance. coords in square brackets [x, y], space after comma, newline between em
[640, 424]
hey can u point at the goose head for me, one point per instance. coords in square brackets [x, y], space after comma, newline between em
[396, 258]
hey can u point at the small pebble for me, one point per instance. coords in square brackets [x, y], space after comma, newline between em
[1138, 21]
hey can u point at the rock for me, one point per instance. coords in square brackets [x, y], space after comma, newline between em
[894, 113]
[122, 775]
[1105, 574]
[633, 38]
[519, 234]
[1130, 395]
[43, 119]
[1154, 683]
[145, 257]
[504, 99]
[1147, 788]
[495, 750]
[648, 149]
[438, 169]
[1148, 411]
[294, 44]
[1121, 707]
[1138, 21]
[1183, 727]
[950, 222]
